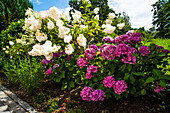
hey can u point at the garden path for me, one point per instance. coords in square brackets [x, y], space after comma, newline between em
[10, 103]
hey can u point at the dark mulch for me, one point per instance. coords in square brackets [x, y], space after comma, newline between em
[144, 104]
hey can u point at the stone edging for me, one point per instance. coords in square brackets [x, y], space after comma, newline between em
[23, 104]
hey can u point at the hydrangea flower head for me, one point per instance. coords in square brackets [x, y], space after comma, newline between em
[144, 50]
[120, 87]
[123, 49]
[90, 53]
[158, 88]
[86, 93]
[98, 95]
[94, 47]
[92, 68]
[82, 62]
[89, 75]
[109, 81]
[49, 71]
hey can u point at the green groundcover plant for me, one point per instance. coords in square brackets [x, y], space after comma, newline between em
[95, 56]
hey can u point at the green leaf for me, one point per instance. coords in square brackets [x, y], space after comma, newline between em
[72, 84]
[143, 91]
[63, 87]
[57, 79]
[149, 80]
[165, 77]
[129, 67]
[132, 79]
[156, 72]
[161, 54]
[63, 74]
[162, 83]
[133, 91]
[126, 77]
[139, 74]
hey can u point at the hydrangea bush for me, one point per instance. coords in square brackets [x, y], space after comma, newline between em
[85, 53]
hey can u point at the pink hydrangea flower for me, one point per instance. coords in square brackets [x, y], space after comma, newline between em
[158, 88]
[89, 75]
[82, 62]
[109, 81]
[90, 53]
[94, 47]
[144, 50]
[135, 38]
[108, 51]
[120, 87]
[123, 49]
[122, 39]
[129, 59]
[92, 68]
[86, 93]
[97, 95]
[49, 71]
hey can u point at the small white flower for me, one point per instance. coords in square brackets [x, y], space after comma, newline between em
[11, 43]
[40, 36]
[4, 49]
[111, 15]
[96, 10]
[96, 17]
[11, 56]
[121, 25]
[6, 52]
[49, 56]
[67, 38]
[69, 49]
[83, 26]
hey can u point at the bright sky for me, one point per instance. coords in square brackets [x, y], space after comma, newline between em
[139, 11]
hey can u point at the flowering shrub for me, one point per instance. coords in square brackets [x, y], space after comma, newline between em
[94, 55]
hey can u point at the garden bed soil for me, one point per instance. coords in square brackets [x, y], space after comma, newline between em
[144, 104]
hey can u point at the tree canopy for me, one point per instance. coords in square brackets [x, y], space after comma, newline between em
[12, 10]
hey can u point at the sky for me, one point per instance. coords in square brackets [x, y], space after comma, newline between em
[139, 11]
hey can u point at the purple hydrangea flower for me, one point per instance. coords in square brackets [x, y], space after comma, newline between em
[134, 50]
[107, 39]
[160, 47]
[56, 66]
[45, 61]
[108, 51]
[89, 75]
[98, 95]
[158, 88]
[90, 53]
[86, 93]
[82, 62]
[136, 38]
[94, 47]
[57, 54]
[130, 33]
[68, 57]
[120, 87]
[144, 50]
[49, 71]
[129, 59]
[166, 51]
[109, 81]
[92, 68]
[122, 39]
[123, 49]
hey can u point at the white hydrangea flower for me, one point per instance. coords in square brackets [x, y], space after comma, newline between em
[96, 10]
[40, 36]
[121, 25]
[56, 48]
[50, 25]
[76, 16]
[29, 12]
[67, 38]
[108, 28]
[111, 15]
[96, 17]
[81, 40]
[43, 14]
[108, 21]
[59, 23]
[63, 31]
[4, 49]
[7, 47]
[11, 43]
[83, 26]
[54, 13]
[49, 56]
[69, 49]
